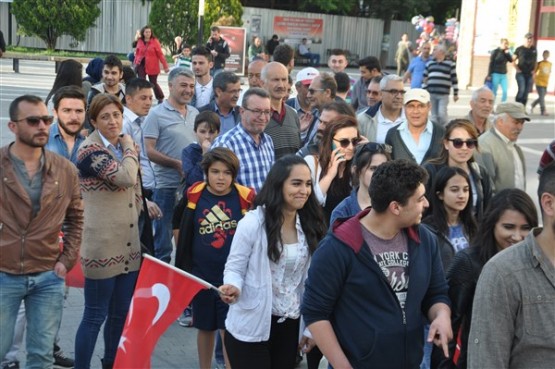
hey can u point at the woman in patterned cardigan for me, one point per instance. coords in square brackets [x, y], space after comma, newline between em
[110, 253]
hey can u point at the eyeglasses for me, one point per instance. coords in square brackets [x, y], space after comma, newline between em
[458, 143]
[374, 148]
[395, 92]
[259, 112]
[252, 75]
[34, 121]
[312, 91]
[344, 142]
[373, 93]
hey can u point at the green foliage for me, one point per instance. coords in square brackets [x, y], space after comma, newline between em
[385, 9]
[50, 19]
[171, 18]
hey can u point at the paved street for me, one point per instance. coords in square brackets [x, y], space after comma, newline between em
[177, 348]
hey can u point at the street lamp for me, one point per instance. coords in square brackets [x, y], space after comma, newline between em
[200, 21]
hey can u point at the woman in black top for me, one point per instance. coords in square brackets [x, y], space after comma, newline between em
[497, 71]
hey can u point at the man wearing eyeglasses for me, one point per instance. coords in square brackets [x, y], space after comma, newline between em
[388, 115]
[40, 192]
[499, 153]
[417, 138]
[322, 91]
[254, 148]
[227, 88]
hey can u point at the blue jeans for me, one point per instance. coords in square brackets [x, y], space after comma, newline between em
[43, 294]
[498, 79]
[524, 82]
[165, 198]
[105, 299]
[313, 59]
[428, 347]
[439, 109]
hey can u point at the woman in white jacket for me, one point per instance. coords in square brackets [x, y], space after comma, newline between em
[266, 268]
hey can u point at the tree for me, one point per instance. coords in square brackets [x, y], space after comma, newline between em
[170, 18]
[50, 19]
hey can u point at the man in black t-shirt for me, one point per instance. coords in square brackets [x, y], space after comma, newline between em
[524, 60]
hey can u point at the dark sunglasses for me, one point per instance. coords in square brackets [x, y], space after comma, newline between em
[458, 143]
[34, 121]
[344, 143]
[374, 148]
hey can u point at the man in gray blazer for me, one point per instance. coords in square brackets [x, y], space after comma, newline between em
[499, 153]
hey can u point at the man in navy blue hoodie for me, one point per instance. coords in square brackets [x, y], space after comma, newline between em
[375, 275]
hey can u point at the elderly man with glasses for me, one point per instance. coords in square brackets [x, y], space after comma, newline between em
[376, 121]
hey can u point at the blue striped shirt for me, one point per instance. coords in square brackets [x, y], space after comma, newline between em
[439, 77]
[255, 159]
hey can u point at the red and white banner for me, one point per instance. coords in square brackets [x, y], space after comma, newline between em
[161, 295]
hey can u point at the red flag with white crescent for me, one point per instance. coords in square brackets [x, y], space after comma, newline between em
[161, 294]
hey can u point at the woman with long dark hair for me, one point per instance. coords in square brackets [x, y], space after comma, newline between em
[460, 141]
[451, 218]
[70, 73]
[367, 158]
[331, 167]
[266, 268]
[148, 56]
[509, 217]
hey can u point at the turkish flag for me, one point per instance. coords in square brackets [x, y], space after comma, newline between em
[161, 294]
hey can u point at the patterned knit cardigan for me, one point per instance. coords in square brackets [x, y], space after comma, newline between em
[112, 196]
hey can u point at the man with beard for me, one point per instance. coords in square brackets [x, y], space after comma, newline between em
[284, 126]
[69, 110]
[227, 88]
[202, 62]
[481, 103]
[322, 91]
[513, 315]
[40, 193]
[167, 130]
[112, 73]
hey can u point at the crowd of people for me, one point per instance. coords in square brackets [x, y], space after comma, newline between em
[358, 223]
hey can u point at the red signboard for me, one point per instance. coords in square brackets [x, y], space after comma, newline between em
[236, 38]
[298, 28]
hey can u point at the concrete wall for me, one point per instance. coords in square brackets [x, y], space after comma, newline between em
[116, 25]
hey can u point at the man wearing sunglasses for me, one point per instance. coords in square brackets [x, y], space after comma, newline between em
[40, 192]
[416, 139]
[499, 153]
[389, 114]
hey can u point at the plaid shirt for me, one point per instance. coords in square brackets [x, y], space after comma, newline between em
[256, 159]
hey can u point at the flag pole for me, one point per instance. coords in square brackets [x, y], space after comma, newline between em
[183, 273]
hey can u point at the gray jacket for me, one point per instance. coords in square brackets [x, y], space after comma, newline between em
[498, 160]
[513, 316]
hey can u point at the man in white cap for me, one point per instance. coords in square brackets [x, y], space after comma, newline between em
[499, 152]
[417, 138]
[308, 117]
